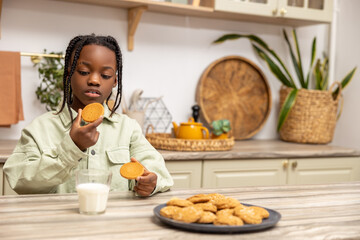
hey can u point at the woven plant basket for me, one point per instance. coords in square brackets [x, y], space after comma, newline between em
[313, 116]
[165, 141]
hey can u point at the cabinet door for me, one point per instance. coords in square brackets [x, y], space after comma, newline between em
[324, 170]
[236, 173]
[318, 10]
[1, 179]
[253, 7]
[186, 174]
[5, 188]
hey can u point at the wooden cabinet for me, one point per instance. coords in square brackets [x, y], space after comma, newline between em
[314, 10]
[5, 188]
[326, 170]
[186, 174]
[257, 172]
[263, 172]
[235, 173]
[1, 180]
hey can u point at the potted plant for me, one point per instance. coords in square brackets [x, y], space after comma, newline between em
[293, 95]
[50, 90]
[220, 129]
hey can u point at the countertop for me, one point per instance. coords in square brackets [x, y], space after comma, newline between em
[246, 149]
[308, 212]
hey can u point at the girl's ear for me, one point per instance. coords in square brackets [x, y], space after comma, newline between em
[115, 83]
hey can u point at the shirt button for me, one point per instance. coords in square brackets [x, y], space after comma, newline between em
[93, 152]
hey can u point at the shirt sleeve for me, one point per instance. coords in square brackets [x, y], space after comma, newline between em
[31, 169]
[150, 158]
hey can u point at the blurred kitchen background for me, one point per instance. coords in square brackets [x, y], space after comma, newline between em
[172, 51]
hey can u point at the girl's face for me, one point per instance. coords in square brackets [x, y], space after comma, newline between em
[94, 76]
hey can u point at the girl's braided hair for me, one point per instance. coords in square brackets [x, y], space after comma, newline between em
[75, 46]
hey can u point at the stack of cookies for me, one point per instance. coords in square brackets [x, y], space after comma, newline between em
[214, 209]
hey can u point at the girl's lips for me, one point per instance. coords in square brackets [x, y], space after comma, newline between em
[92, 94]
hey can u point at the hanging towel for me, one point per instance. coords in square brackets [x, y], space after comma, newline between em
[11, 109]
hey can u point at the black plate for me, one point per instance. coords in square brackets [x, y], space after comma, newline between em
[210, 228]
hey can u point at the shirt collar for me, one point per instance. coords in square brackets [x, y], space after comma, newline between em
[66, 120]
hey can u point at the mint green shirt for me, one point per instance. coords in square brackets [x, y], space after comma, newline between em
[45, 158]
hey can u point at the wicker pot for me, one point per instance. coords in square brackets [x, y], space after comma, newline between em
[312, 118]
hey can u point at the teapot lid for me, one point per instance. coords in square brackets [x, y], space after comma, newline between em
[191, 121]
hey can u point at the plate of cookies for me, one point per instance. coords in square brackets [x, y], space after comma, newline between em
[215, 213]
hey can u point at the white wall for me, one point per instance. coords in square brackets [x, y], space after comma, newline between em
[170, 53]
[347, 131]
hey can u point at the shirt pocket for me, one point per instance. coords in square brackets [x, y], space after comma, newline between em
[116, 158]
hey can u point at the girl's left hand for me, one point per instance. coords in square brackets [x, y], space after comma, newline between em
[146, 183]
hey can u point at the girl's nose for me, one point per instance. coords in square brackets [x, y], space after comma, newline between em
[94, 79]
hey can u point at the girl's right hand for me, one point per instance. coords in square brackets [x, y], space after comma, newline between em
[84, 136]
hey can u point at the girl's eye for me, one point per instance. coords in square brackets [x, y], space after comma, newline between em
[82, 73]
[106, 76]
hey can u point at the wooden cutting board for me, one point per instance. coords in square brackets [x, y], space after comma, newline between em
[234, 88]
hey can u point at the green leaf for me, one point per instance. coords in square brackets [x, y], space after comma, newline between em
[286, 107]
[294, 61]
[301, 77]
[261, 43]
[274, 68]
[346, 80]
[313, 53]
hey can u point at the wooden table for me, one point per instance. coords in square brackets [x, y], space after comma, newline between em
[308, 212]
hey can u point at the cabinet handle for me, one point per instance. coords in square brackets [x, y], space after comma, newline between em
[285, 164]
[274, 11]
[294, 164]
[283, 11]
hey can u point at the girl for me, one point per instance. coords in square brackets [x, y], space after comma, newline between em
[54, 145]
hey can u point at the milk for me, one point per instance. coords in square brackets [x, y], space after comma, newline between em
[92, 197]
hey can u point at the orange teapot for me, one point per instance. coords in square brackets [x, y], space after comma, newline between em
[190, 130]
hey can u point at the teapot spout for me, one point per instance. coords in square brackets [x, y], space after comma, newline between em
[175, 128]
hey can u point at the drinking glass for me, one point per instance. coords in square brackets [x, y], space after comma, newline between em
[93, 186]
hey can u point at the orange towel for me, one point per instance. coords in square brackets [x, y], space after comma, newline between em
[11, 109]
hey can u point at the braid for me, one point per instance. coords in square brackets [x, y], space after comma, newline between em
[75, 46]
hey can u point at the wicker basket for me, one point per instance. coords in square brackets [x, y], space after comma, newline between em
[166, 142]
[312, 118]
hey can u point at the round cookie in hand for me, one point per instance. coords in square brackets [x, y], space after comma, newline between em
[131, 170]
[92, 112]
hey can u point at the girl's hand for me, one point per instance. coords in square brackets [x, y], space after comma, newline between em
[84, 136]
[146, 183]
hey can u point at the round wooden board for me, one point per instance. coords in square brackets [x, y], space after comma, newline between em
[234, 88]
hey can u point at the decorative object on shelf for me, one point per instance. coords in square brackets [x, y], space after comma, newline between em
[156, 113]
[312, 130]
[196, 112]
[164, 141]
[190, 130]
[220, 129]
[234, 88]
[51, 71]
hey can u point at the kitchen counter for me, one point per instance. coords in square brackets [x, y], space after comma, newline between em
[308, 212]
[246, 149]
[255, 149]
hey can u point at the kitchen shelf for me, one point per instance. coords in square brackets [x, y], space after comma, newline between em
[135, 9]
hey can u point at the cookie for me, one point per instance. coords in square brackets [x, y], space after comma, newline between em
[228, 220]
[199, 198]
[169, 211]
[179, 202]
[226, 202]
[188, 214]
[92, 112]
[225, 212]
[207, 217]
[248, 215]
[206, 207]
[131, 170]
[260, 211]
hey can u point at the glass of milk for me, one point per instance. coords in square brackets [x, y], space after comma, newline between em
[93, 186]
